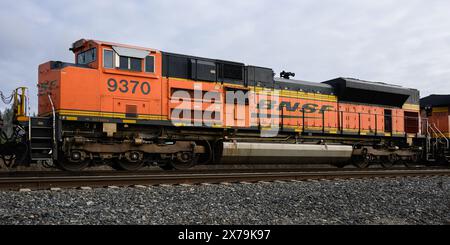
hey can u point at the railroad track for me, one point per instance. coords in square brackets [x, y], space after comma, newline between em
[111, 178]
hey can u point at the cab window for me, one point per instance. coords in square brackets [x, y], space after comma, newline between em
[87, 57]
[150, 64]
[130, 63]
[108, 58]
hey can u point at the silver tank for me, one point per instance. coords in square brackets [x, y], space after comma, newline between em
[276, 153]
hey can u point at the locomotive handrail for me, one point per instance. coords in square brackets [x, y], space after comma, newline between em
[54, 150]
[443, 136]
[428, 139]
[430, 126]
[436, 139]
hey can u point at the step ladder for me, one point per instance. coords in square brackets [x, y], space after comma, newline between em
[437, 143]
[41, 139]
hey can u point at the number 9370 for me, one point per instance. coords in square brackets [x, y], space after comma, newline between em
[125, 86]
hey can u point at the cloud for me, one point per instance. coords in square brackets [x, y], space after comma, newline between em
[396, 41]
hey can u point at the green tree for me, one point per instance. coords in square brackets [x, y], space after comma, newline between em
[8, 116]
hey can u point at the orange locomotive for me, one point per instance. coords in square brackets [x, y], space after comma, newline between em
[130, 106]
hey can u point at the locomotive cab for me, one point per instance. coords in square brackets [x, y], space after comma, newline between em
[106, 80]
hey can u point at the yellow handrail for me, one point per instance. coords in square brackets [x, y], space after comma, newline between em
[20, 104]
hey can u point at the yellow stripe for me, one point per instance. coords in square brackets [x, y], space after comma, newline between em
[108, 114]
[434, 135]
[233, 85]
[412, 107]
[179, 124]
[22, 119]
[440, 109]
[129, 121]
[328, 98]
[72, 118]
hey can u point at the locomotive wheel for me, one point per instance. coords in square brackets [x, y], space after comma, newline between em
[389, 161]
[130, 161]
[364, 160]
[181, 165]
[75, 161]
[183, 161]
[124, 165]
[413, 161]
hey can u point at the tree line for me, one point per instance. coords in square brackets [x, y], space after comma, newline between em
[6, 118]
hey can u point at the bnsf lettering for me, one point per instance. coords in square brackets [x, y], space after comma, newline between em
[125, 87]
[307, 108]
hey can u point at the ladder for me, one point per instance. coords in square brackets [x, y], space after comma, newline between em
[41, 139]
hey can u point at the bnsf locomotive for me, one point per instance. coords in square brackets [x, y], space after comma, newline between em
[129, 107]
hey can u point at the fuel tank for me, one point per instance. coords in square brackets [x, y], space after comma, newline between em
[278, 153]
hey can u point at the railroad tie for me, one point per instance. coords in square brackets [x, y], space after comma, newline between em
[264, 182]
[245, 183]
[140, 186]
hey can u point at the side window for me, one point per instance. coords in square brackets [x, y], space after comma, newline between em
[87, 57]
[130, 63]
[108, 58]
[150, 64]
[123, 63]
[135, 64]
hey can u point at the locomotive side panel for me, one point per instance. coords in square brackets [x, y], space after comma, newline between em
[440, 117]
[48, 83]
[132, 88]
[79, 91]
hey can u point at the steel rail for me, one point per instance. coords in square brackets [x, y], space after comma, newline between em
[46, 173]
[14, 183]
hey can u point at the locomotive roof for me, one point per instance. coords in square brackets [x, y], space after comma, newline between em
[304, 85]
[435, 100]
[355, 90]
[151, 49]
[122, 45]
[370, 85]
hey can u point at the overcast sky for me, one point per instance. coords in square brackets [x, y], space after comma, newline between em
[395, 41]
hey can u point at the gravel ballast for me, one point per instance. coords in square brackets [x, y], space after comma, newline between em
[413, 200]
